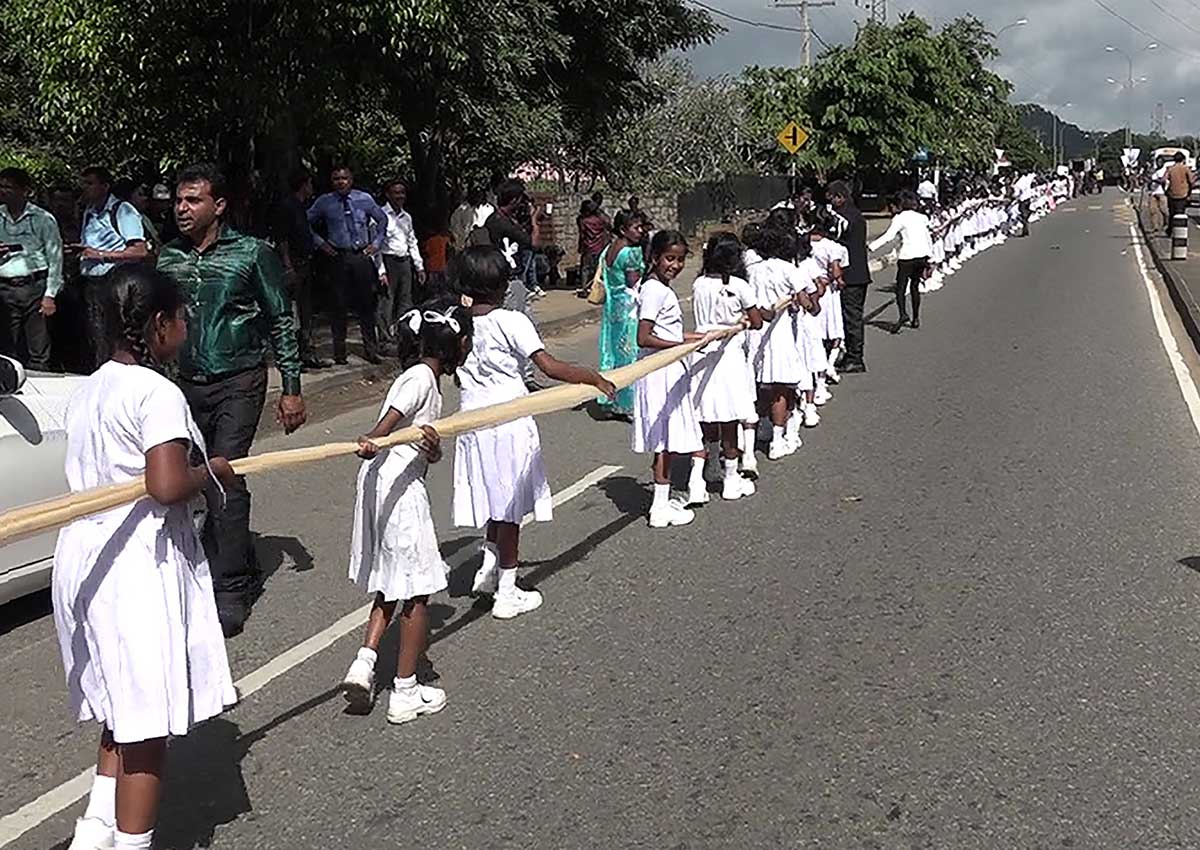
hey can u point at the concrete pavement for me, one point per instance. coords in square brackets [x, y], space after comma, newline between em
[962, 616]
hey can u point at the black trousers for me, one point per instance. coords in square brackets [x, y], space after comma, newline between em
[1175, 206]
[96, 350]
[909, 274]
[401, 293]
[854, 299]
[300, 282]
[227, 411]
[23, 331]
[355, 290]
[1026, 208]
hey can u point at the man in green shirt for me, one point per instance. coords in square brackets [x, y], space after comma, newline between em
[237, 309]
[31, 261]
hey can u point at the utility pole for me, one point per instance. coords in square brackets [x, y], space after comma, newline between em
[806, 31]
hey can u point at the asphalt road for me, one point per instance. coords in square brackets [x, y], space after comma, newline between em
[964, 615]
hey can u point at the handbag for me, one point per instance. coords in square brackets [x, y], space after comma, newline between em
[596, 292]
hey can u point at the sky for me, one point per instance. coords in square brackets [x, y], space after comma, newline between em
[1057, 58]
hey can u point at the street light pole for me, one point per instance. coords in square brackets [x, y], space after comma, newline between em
[1129, 88]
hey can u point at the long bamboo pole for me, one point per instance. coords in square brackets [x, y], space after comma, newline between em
[39, 517]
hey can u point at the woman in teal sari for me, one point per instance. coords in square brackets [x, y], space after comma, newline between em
[623, 267]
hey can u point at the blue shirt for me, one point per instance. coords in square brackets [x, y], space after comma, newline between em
[98, 232]
[347, 220]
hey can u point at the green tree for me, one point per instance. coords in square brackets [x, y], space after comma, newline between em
[468, 87]
[896, 90]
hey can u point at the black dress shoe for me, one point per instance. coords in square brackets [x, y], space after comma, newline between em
[914, 324]
[852, 368]
[232, 613]
[372, 358]
[312, 363]
[340, 359]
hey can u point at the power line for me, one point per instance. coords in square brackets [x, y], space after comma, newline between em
[746, 21]
[1172, 16]
[1138, 29]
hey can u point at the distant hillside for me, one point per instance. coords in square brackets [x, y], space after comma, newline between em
[1074, 140]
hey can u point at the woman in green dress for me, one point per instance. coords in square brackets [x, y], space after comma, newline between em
[623, 267]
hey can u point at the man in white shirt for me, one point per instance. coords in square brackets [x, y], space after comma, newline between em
[400, 261]
[928, 193]
[1024, 192]
[1158, 199]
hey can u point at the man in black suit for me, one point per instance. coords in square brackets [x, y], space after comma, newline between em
[857, 276]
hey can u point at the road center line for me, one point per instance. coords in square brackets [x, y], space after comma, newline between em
[36, 812]
[1182, 376]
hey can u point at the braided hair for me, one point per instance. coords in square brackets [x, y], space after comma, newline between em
[723, 257]
[136, 294]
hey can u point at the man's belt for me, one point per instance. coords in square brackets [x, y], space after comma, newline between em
[25, 280]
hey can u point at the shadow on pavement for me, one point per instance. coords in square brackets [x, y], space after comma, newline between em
[23, 611]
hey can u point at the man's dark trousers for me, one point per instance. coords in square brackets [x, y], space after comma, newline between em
[300, 284]
[1175, 206]
[854, 299]
[355, 289]
[401, 293]
[22, 325]
[227, 409]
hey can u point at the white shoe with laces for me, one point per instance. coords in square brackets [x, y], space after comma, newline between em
[515, 603]
[811, 418]
[750, 464]
[697, 496]
[737, 488]
[487, 577]
[780, 449]
[359, 685]
[411, 703]
[822, 397]
[672, 513]
[92, 834]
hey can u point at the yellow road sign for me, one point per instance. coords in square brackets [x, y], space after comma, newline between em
[792, 137]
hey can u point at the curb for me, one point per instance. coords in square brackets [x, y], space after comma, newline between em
[1186, 304]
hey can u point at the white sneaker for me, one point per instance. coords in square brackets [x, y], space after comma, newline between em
[673, 513]
[697, 496]
[411, 703]
[780, 449]
[359, 685]
[487, 577]
[736, 488]
[794, 442]
[92, 834]
[750, 463]
[811, 418]
[516, 603]
[822, 397]
[832, 373]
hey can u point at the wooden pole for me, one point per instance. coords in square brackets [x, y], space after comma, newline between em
[30, 520]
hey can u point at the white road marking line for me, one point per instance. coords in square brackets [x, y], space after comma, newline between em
[1183, 377]
[1070, 209]
[35, 812]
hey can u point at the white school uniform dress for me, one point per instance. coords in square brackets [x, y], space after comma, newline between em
[827, 252]
[664, 417]
[394, 546]
[810, 329]
[777, 358]
[133, 598]
[721, 386]
[498, 472]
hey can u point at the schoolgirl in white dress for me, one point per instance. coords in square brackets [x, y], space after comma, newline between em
[751, 339]
[833, 258]
[133, 599]
[394, 553]
[809, 337]
[664, 415]
[724, 396]
[778, 362]
[499, 476]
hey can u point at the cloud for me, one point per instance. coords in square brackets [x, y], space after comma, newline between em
[1057, 58]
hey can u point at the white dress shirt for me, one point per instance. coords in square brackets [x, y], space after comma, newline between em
[401, 238]
[913, 229]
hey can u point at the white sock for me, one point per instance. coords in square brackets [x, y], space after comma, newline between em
[748, 432]
[731, 468]
[777, 433]
[696, 482]
[662, 495]
[365, 653]
[102, 802]
[404, 684]
[491, 556]
[508, 580]
[126, 841]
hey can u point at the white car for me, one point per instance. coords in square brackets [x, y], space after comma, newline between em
[33, 448]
